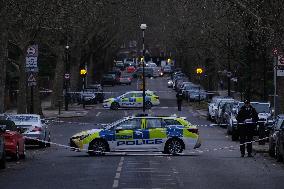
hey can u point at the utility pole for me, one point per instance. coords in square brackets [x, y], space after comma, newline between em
[143, 28]
[229, 64]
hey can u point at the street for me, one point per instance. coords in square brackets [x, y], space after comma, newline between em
[216, 164]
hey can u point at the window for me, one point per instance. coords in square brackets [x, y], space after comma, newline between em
[130, 124]
[139, 95]
[154, 123]
[172, 122]
[128, 95]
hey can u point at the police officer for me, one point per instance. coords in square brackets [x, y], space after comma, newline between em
[179, 99]
[247, 118]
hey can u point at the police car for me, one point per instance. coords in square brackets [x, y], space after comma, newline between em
[132, 99]
[170, 135]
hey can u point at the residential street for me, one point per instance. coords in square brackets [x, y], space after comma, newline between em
[215, 165]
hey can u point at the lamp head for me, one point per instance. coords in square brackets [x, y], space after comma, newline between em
[143, 26]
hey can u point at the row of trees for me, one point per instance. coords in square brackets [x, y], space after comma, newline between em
[233, 35]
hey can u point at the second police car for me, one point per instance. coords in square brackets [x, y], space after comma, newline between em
[132, 99]
[170, 135]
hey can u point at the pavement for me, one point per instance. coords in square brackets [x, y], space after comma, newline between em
[216, 164]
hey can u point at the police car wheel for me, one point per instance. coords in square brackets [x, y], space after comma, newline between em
[174, 146]
[97, 148]
[148, 105]
[114, 106]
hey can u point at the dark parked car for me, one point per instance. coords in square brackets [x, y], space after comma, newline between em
[108, 79]
[149, 72]
[98, 90]
[2, 147]
[273, 136]
[279, 147]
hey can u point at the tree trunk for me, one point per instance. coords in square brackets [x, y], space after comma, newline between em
[22, 93]
[75, 69]
[3, 62]
[57, 94]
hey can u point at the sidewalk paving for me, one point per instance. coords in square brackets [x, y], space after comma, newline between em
[74, 110]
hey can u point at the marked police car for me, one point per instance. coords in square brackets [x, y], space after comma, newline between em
[132, 99]
[170, 135]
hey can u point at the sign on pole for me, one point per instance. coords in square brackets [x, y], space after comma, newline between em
[281, 60]
[31, 58]
[280, 73]
[31, 79]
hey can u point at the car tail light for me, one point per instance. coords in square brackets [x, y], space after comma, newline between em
[129, 79]
[193, 130]
[37, 129]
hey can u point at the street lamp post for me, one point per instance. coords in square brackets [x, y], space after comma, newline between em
[66, 78]
[143, 28]
[199, 71]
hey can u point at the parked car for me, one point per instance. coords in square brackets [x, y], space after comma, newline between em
[167, 69]
[33, 128]
[279, 144]
[87, 97]
[125, 79]
[191, 89]
[108, 79]
[170, 83]
[120, 65]
[130, 69]
[274, 134]
[215, 107]
[14, 141]
[116, 74]
[223, 111]
[97, 89]
[2, 147]
[197, 95]
[212, 107]
[149, 72]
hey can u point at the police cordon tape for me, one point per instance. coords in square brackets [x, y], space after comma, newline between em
[104, 124]
[194, 151]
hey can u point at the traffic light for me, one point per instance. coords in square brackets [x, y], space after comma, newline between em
[199, 70]
[83, 72]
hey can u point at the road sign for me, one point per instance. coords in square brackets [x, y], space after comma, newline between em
[280, 73]
[32, 51]
[67, 76]
[31, 79]
[281, 60]
[31, 62]
[31, 58]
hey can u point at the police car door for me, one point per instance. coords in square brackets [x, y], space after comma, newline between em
[124, 100]
[127, 134]
[157, 133]
[138, 99]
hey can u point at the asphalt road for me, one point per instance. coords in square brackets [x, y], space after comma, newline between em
[217, 164]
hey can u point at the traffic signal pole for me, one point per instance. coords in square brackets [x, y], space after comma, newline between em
[144, 94]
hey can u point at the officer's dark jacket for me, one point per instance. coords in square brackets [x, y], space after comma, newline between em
[179, 96]
[247, 113]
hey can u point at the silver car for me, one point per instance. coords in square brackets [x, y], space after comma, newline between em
[125, 79]
[33, 128]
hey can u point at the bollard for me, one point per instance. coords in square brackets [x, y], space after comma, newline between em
[59, 106]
